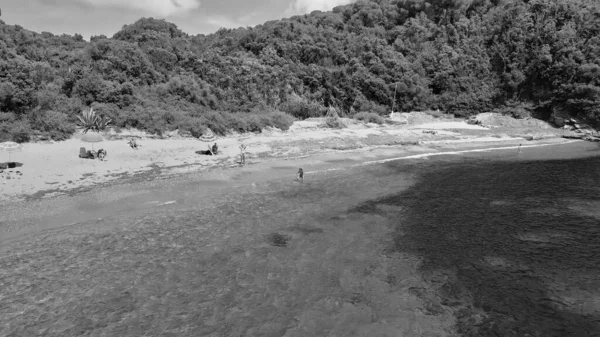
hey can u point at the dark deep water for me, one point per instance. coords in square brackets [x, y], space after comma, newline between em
[512, 246]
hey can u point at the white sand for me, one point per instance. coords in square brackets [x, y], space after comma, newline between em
[449, 125]
[57, 166]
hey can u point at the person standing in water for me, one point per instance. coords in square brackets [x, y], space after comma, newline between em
[300, 174]
[519, 151]
[242, 154]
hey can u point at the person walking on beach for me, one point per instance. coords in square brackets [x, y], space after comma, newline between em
[242, 154]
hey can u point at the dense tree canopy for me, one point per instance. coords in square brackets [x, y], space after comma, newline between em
[461, 56]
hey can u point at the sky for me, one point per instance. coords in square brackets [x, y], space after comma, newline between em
[96, 17]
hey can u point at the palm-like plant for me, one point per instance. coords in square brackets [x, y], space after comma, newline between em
[90, 121]
[102, 123]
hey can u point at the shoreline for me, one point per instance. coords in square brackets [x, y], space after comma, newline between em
[141, 193]
[167, 172]
[51, 170]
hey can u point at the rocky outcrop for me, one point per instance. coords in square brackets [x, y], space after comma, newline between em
[494, 119]
[583, 136]
[578, 128]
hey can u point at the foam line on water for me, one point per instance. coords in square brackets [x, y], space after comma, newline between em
[425, 155]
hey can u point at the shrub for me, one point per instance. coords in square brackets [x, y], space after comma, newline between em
[22, 136]
[242, 122]
[16, 130]
[172, 119]
[333, 119]
[462, 113]
[5, 131]
[195, 126]
[148, 118]
[301, 108]
[157, 119]
[53, 124]
[516, 110]
[155, 129]
[222, 122]
[216, 122]
[369, 117]
[7, 117]
[254, 122]
[109, 110]
[280, 120]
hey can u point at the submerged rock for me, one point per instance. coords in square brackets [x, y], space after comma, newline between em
[278, 240]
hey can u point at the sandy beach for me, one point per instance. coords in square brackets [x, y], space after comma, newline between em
[50, 169]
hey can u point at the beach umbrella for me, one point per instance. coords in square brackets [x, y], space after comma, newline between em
[208, 136]
[10, 147]
[92, 137]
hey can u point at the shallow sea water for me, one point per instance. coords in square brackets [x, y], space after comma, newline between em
[468, 245]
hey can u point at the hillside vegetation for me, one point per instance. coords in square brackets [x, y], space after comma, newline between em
[519, 57]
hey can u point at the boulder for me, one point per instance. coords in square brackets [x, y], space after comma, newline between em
[473, 121]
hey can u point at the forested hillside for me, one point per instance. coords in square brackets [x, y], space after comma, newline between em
[461, 56]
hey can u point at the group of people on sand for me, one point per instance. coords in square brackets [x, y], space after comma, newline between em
[212, 151]
[91, 154]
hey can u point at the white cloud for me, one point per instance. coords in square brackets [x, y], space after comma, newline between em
[222, 21]
[307, 6]
[156, 7]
